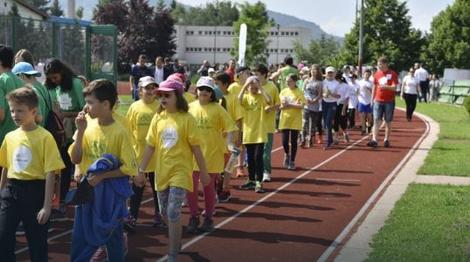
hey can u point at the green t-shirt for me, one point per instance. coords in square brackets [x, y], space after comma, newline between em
[285, 72]
[71, 100]
[43, 105]
[8, 83]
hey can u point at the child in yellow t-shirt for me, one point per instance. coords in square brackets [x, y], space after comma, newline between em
[30, 159]
[174, 138]
[290, 122]
[254, 131]
[235, 111]
[139, 116]
[104, 135]
[213, 122]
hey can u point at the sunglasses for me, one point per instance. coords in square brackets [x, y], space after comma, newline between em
[204, 88]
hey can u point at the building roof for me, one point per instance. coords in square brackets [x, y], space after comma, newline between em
[32, 8]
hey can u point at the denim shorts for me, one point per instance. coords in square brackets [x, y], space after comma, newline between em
[384, 110]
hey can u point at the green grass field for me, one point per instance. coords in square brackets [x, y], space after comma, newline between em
[449, 155]
[125, 102]
[429, 223]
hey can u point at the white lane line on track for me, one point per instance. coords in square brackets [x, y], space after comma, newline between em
[228, 220]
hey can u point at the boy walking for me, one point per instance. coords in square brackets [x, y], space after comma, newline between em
[30, 159]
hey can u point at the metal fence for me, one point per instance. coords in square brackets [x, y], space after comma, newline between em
[88, 49]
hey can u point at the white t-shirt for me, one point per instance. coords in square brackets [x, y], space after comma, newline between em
[365, 91]
[332, 87]
[343, 91]
[410, 83]
[421, 74]
[353, 95]
[158, 75]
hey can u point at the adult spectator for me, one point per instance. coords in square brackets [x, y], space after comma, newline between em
[169, 66]
[410, 90]
[383, 93]
[160, 73]
[140, 69]
[204, 69]
[231, 70]
[422, 76]
[286, 70]
[434, 87]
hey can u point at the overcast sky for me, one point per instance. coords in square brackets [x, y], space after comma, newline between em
[336, 16]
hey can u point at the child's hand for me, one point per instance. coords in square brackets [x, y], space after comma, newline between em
[77, 177]
[93, 180]
[205, 179]
[268, 109]
[43, 215]
[80, 121]
[139, 180]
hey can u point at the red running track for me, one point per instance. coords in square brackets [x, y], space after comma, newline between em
[297, 219]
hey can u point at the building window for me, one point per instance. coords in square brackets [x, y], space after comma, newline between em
[200, 32]
[296, 33]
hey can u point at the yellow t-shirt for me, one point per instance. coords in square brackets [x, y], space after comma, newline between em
[30, 155]
[212, 121]
[139, 117]
[291, 118]
[235, 88]
[270, 122]
[254, 130]
[189, 97]
[234, 108]
[172, 135]
[111, 139]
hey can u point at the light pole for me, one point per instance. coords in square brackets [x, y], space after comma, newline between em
[361, 37]
[277, 50]
[215, 38]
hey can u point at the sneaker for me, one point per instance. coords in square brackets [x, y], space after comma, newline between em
[291, 166]
[100, 255]
[372, 143]
[158, 222]
[346, 137]
[193, 225]
[207, 225]
[249, 185]
[286, 160]
[319, 139]
[225, 196]
[369, 129]
[241, 172]
[386, 143]
[130, 223]
[266, 177]
[335, 141]
[259, 187]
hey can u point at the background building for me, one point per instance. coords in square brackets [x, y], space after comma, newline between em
[25, 9]
[213, 43]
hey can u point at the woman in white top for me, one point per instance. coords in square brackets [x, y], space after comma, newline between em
[329, 103]
[410, 91]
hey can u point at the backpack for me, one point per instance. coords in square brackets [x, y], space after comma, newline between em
[55, 126]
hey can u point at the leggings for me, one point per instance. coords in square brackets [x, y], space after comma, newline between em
[255, 161]
[209, 196]
[410, 101]
[136, 198]
[340, 120]
[294, 135]
[351, 118]
[311, 119]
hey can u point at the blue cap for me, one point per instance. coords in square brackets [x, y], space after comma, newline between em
[25, 68]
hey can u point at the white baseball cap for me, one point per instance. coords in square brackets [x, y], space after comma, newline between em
[330, 69]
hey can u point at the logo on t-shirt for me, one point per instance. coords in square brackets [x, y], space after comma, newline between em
[383, 81]
[22, 158]
[65, 101]
[169, 137]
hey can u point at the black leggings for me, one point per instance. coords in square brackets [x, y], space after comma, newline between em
[294, 135]
[410, 101]
[351, 118]
[66, 173]
[255, 161]
[136, 198]
[340, 120]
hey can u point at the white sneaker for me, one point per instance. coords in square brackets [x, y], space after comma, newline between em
[266, 177]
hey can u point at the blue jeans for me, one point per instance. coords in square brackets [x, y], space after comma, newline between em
[329, 112]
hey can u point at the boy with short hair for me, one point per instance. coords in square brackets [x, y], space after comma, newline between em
[30, 158]
[93, 139]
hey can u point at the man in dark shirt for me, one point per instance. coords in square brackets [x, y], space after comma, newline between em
[140, 69]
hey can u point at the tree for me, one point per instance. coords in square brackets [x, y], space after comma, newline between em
[449, 40]
[56, 9]
[220, 13]
[112, 12]
[387, 31]
[79, 12]
[322, 51]
[42, 5]
[163, 41]
[255, 16]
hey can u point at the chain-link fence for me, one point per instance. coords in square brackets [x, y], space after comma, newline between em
[88, 49]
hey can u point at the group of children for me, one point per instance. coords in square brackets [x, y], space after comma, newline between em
[178, 139]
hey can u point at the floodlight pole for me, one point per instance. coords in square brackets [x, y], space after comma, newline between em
[361, 37]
